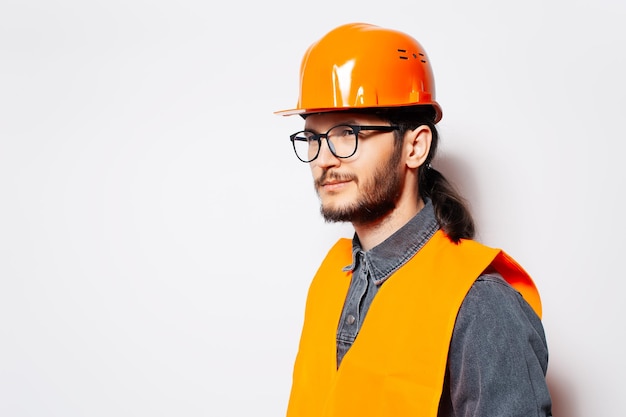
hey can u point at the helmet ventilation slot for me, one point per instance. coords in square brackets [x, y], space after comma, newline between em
[403, 51]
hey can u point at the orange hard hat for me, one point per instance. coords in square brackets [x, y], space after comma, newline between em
[359, 65]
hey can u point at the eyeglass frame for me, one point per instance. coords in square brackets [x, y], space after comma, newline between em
[318, 137]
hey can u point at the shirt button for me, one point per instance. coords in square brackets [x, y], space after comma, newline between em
[350, 319]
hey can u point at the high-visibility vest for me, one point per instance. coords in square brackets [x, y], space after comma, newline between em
[397, 363]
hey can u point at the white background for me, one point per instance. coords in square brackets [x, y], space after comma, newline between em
[157, 235]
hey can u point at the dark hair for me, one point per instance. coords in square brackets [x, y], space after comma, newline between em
[451, 209]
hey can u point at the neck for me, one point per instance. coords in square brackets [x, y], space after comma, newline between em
[373, 233]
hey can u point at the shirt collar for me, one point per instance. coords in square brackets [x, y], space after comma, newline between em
[388, 256]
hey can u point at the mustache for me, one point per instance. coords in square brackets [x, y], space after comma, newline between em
[329, 175]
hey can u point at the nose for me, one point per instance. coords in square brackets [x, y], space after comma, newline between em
[326, 158]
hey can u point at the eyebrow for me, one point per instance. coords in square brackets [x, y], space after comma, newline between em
[345, 122]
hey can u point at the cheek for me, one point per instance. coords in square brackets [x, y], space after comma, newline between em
[376, 150]
[372, 161]
[315, 170]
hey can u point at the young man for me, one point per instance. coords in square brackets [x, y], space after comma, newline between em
[411, 317]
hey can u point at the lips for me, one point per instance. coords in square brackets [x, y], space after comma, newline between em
[331, 183]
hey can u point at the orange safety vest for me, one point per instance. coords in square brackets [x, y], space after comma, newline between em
[397, 363]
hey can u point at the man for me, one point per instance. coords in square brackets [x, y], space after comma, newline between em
[411, 317]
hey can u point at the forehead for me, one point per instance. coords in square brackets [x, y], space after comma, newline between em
[324, 121]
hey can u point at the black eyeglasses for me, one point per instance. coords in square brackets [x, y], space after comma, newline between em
[342, 141]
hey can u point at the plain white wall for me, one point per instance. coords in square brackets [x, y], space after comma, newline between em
[157, 235]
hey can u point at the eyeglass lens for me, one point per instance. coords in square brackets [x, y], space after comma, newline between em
[342, 141]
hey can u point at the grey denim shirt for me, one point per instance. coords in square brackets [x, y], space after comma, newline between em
[498, 354]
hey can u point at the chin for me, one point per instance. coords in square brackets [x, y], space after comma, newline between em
[337, 214]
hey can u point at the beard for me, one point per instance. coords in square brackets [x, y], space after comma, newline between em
[378, 196]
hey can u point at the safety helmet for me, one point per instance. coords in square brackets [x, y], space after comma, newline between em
[359, 65]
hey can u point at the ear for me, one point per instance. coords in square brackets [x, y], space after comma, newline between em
[417, 144]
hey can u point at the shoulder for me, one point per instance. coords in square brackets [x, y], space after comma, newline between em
[491, 291]
[491, 306]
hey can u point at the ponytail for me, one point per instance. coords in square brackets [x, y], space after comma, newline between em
[450, 208]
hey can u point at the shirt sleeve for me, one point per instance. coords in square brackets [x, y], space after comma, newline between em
[498, 356]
